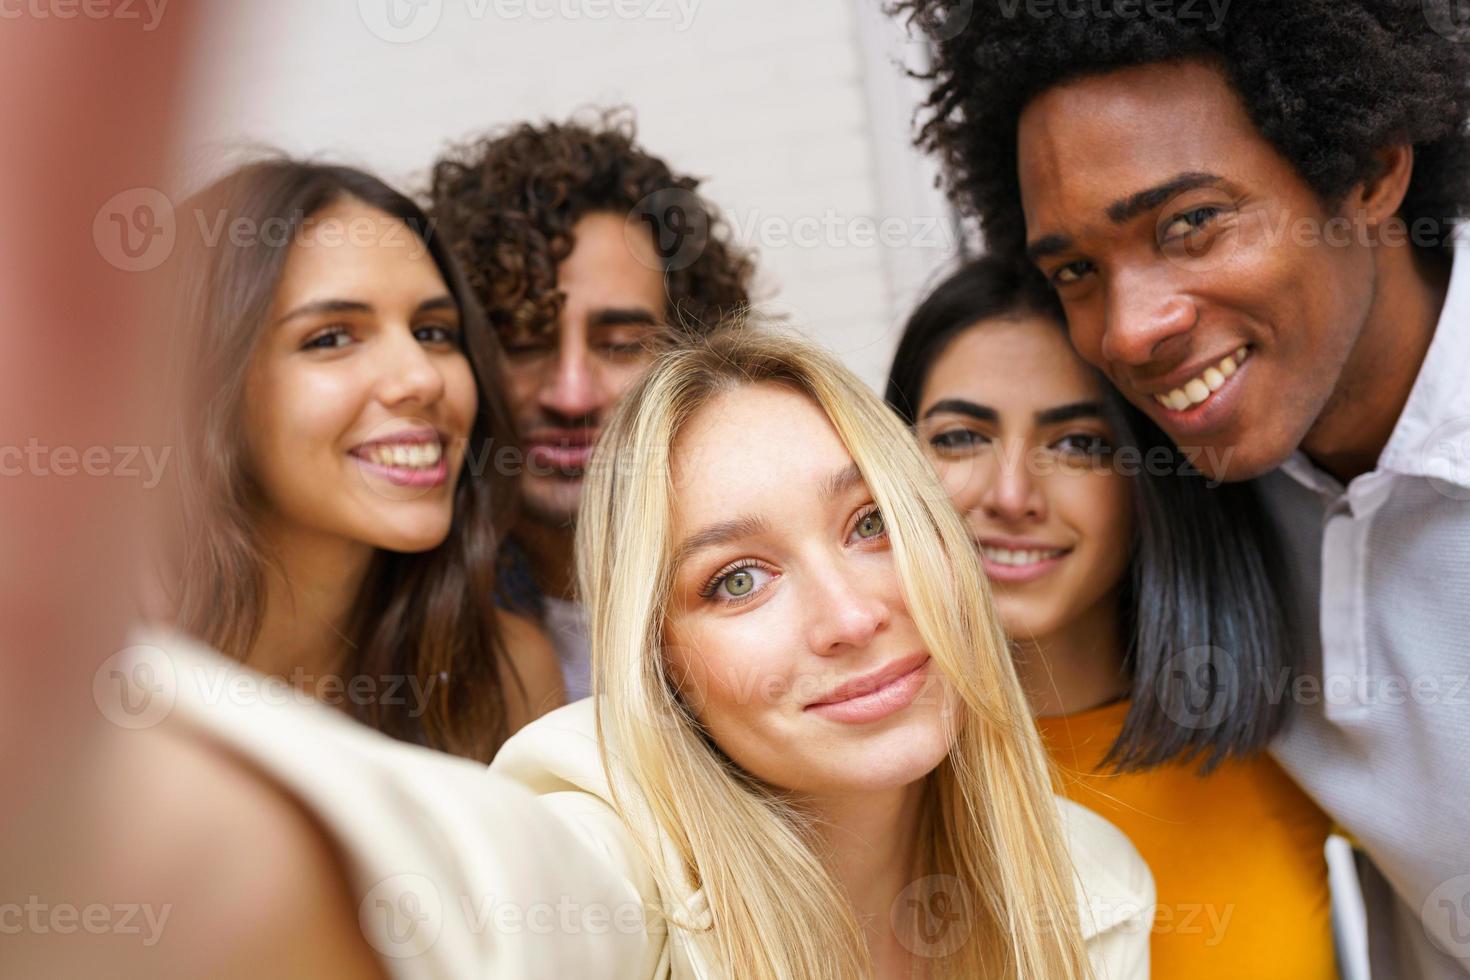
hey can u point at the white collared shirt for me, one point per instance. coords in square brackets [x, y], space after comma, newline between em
[1380, 733]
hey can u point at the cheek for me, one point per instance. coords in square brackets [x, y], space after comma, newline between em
[720, 673]
[295, 419]
[622, 376]
[522, 382]
[1100, 507]
[461, 397]
[1086, 325]
[961, 481]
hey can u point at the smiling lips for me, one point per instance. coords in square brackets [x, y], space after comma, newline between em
[405, 459]
[1018, 561]
[1198, 390]
[874, 696]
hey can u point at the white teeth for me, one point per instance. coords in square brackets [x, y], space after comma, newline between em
[1198, 390]
[418, 455]
[1005, 556]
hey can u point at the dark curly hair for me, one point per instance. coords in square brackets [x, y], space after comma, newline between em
[508, 201]
[1326, 82]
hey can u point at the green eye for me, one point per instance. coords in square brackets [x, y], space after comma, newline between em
[870, 526]
[739, 583]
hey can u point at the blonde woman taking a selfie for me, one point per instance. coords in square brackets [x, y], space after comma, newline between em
[808, 756]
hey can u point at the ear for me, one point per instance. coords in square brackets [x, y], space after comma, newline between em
[1379, 197]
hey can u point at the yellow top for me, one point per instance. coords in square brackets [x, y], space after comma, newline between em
[1237, 856]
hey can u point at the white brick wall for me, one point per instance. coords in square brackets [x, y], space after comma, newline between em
[792, 109]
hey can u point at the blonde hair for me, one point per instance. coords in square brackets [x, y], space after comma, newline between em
[990, 820]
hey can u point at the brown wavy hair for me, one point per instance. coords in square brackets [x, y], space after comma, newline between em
[507, 201]
[427, 616]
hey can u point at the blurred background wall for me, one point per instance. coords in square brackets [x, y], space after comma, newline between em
[796, 111]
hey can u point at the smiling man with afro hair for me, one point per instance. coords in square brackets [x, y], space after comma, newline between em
[1249, 211]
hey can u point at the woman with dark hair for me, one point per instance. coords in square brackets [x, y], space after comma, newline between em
[1145, 618]
[340, 525]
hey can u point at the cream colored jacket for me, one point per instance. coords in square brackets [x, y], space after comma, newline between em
[526, 872]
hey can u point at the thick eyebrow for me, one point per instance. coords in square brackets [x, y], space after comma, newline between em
[1047, 245]
[622, 316]
[717, 534]
[1066, 413]
[320, 306]
[960, 406]
[1122, 211]
[445, 302]
[1047, 416]
[328, 306]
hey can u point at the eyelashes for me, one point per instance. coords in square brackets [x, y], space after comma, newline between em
[743, 580]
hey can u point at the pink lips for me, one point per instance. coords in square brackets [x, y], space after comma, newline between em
[1015, 574]
[875, 696]
[405, 476]
[560, 453]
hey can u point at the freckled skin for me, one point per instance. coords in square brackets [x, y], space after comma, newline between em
[1258, 272]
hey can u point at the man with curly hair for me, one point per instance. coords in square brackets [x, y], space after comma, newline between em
[1249, 215]
[585, 250]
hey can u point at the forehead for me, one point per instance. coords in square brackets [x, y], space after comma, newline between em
[749, 451]
[1085, 143]
[354, 251]
[611, 257]
[1018, 365]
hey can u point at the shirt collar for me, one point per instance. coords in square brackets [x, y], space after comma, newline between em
[1432, 436]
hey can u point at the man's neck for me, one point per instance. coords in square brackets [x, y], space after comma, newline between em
[1076, 668]
[550, 551]
[1379, 376]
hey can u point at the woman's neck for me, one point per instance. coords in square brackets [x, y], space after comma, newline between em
[872, 844]
[1078, 667]
[310, 586]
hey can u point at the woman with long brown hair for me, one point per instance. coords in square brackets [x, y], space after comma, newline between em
[341, 518]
